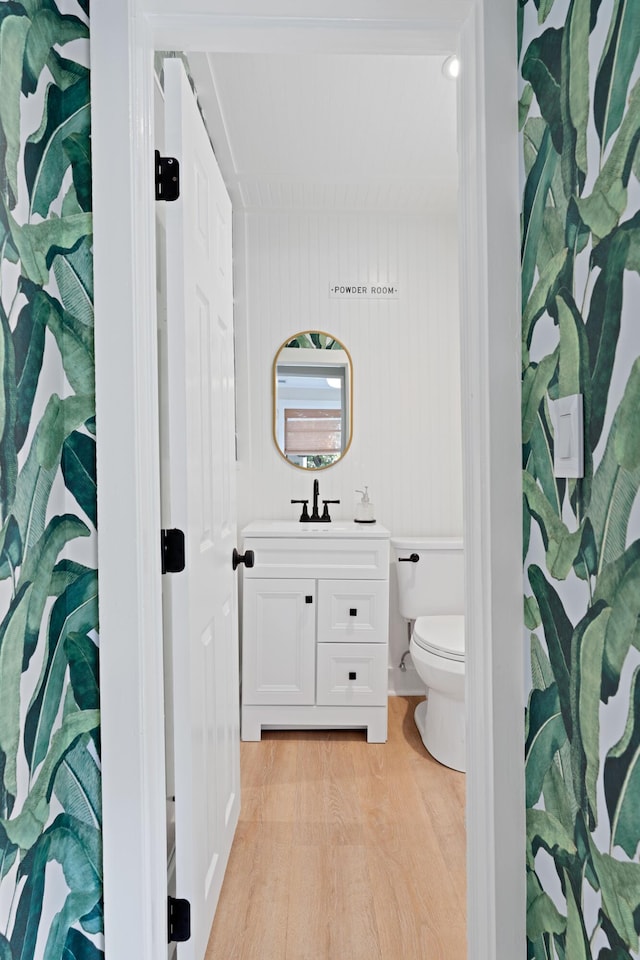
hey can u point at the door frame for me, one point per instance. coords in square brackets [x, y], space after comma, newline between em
[124, 35]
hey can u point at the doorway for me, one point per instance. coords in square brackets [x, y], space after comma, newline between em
[343, 173]
[132, 748]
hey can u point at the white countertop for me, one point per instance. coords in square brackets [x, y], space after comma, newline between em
[345, 529]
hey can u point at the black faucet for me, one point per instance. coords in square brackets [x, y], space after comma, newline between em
[315, 513]
[316, 493]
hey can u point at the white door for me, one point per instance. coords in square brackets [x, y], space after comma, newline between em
[199, 467]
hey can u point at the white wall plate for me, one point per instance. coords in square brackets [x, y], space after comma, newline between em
[568, 448]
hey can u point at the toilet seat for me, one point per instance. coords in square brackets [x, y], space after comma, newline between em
[442, 636]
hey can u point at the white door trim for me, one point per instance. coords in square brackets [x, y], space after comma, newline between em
[490, 338]
[131, 668]
[123, 38]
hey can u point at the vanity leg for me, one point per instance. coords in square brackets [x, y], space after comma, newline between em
[251, 727]
[377, 728]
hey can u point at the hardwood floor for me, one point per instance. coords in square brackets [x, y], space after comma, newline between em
[345, 850]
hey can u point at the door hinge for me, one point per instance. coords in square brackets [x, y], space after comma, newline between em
[178, 920]
[167, 177]
[172, 551]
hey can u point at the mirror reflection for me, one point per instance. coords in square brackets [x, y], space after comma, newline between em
[312, 400]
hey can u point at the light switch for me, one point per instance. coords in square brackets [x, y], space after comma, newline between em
[563, 440]
[568, 441]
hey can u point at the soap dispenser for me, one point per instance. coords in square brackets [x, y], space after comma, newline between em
[364, 509]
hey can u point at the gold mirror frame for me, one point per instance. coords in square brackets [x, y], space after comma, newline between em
[348, 391]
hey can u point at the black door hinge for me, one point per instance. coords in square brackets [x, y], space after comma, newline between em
[172, 551]
[167, 176]
[179, 920]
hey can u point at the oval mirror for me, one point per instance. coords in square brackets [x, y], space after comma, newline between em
[312, 400]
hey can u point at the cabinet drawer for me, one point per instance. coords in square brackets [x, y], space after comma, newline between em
[352, 674]
[350, 611]
[297, 557]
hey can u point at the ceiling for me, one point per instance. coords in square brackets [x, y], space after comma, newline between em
[331, 132]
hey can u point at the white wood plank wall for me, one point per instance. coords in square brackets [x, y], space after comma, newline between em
[406, 419]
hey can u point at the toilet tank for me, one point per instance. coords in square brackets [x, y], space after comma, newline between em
[435, 584]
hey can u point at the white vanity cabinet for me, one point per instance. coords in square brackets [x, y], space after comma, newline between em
[315, 627]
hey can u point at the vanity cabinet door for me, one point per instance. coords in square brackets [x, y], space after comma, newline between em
[279, 641]
[353, 611]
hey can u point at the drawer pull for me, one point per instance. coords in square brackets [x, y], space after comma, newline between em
[352, 675]
[308, 599]
[353, 612]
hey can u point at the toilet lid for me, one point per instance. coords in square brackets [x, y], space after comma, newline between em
[443, 636]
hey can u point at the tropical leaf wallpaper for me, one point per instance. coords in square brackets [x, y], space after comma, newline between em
[580, 122]
[50, 836]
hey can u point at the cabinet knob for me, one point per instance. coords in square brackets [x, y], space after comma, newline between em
[353, 612]
[352, 675]
[308, 599]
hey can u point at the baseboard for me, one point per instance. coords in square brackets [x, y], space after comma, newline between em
[405, 683]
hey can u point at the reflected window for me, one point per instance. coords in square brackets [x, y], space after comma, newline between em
[311, 400]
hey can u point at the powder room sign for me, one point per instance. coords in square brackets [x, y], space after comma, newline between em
[364, 291]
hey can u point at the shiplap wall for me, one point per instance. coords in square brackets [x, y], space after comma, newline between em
[406, 419]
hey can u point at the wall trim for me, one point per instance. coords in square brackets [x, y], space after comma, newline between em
[129, 505]
[405, 684]
[131, 668]
[490, 347]
[311, 34]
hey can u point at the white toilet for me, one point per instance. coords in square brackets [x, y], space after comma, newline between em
[431, 596]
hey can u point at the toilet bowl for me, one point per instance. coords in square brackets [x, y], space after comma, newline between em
[431, 598]
[437, 651]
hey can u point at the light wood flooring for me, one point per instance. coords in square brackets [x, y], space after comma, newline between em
[345, 850]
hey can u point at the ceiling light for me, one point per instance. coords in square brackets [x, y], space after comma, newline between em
[451, 67]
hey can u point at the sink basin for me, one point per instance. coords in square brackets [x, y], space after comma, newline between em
[337, 528]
